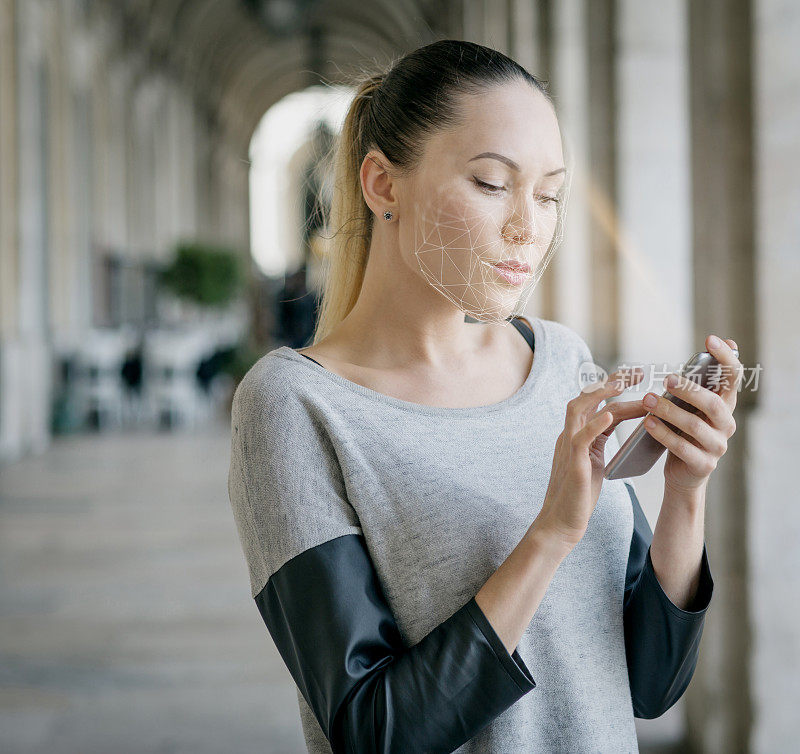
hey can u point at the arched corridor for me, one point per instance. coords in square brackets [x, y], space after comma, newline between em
[127, 135]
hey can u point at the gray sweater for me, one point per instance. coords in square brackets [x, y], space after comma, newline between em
[369, 523]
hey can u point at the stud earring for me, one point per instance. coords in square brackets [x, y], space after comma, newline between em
[387, 215]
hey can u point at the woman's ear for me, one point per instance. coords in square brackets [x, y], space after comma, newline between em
[377, 183]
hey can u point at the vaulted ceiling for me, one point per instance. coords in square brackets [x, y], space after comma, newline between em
[241, 56]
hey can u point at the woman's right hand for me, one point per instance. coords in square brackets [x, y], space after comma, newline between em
[578, 462]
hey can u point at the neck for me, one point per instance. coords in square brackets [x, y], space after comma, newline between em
[400, 319]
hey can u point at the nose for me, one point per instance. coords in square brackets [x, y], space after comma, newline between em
[522, 238]
[520, 227]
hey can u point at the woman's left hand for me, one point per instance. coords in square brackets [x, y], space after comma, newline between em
[692, 458]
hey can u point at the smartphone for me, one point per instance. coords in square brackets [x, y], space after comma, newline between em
[641, 450]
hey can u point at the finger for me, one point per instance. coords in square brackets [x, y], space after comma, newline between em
[620, 412]
[587, 401]
[699, 462]
[712, 404]
[730, 369]
[600, 422]
[623, 410]
[697, 427]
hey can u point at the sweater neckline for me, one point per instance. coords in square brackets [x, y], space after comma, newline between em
[541, 358]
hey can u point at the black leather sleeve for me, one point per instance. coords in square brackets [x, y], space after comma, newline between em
[662, 641]
[326, 612]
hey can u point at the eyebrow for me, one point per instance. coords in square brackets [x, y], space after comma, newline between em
[508, 161]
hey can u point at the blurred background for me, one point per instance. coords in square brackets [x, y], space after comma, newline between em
[161, 174]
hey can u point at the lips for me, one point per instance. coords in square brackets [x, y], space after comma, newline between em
[513, 276]
[514, 265]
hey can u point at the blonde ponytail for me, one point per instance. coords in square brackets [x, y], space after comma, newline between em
[350, 219]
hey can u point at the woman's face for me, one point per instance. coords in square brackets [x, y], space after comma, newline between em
[484, 193]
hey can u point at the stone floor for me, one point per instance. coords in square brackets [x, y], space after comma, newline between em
[126, 622]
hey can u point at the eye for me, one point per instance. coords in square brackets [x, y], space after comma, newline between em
[488, 188]
[547, 199]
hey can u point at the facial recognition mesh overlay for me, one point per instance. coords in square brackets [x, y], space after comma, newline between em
[487, 253]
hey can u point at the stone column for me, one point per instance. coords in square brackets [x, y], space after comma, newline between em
[115, 232]
[69, 60]
[83, 60]
[224, 169]
[9, 173]
[652, 227]
[163, 175]
[204, 176]
[236, 204]
[654, 182]
[773, 517]
[61, 195]
[173, 146]
[32, 381]
[188, 167]
[601, 184]
[720, 702]
[10, 346]
[142, 166]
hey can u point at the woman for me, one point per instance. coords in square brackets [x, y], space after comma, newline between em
[420, 499]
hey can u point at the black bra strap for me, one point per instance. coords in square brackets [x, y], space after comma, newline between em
[310, 359]
[526, 331]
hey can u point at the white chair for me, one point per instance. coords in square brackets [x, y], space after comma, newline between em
[99, 386]
[170, 360]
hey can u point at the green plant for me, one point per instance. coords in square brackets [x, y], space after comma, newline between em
[206, 275]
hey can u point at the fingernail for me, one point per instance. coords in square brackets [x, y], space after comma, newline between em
[714, 341]
[672, 380]
[650, 400]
